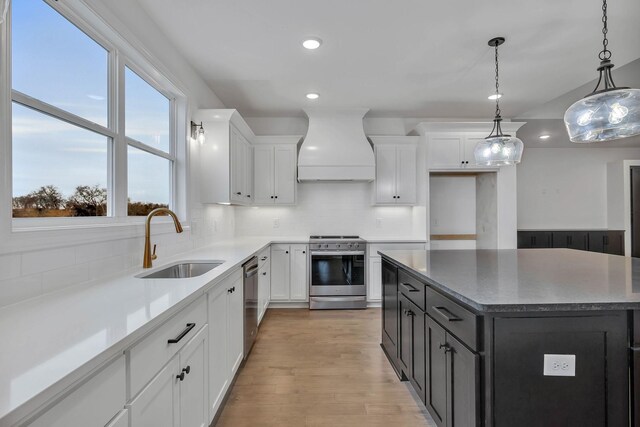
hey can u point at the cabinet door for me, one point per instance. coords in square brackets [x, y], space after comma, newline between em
[285, 174]
[374, 281]
[158, 404]
[614, 243]
[299, 273]
[386, 174]
[469, 148]
[463, 385]
[390, 314]
[193, 389]
[264, 289]
[436, 372]
[404, 334]
[417, 368]
[235, 302]
[406, 178]
[248, 172]
[280, 272]
[263, 182]
[237, 166]
[444, 152]
[218, 342]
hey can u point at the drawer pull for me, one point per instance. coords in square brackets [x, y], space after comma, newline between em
[187, 369]
[180, 376]
[445, 347]
[186, 330]
[442, 311]
[411, 287]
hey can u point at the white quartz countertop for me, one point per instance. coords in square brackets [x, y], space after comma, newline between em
[50, 342]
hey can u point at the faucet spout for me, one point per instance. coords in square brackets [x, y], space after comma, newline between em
[148, 257]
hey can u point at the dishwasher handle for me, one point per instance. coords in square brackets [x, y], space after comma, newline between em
[252, 271]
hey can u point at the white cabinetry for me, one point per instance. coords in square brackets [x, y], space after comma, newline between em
[275, 170]
[225, 336]
[93, 404]
[289, 273]
[226, 158]
[264, 282]
[178, 394]
[396, 170]
[374, 274]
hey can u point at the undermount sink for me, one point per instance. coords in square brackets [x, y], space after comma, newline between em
[182, 270]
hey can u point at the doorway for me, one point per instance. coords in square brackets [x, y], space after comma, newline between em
[635, 211]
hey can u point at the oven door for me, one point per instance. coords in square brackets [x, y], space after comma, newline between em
[337, 273]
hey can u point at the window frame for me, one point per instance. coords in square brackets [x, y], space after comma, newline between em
[122, 52]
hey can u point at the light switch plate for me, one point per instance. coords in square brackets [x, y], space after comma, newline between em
[560, 365]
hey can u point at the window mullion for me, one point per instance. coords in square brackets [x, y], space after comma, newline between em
[119, 144]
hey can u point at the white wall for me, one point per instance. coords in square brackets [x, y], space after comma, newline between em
[331, 208]
[30, 272]
[452, 204]
[566, 187]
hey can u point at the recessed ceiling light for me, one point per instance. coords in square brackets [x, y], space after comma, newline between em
[545, 136]
[313, 96]
[495, 96]
[312, 43]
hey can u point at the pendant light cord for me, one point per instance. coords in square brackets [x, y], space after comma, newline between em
[497, 84]
[605, 54]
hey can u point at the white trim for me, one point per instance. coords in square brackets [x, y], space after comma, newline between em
[148, 149]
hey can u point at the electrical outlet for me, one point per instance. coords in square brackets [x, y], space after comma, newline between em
[560, 365]
[276, 222]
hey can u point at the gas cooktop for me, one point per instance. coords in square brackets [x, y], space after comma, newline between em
[334, 238]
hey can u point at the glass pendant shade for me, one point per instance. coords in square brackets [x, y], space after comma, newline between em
[604, 116]
[502, 150]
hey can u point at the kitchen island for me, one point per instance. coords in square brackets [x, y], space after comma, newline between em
[542, 337]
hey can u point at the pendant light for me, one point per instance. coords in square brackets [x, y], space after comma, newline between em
[609, 112]
[498, 149]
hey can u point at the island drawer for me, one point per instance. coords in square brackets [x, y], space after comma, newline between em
[147, 357]
[453, 317]
[412, 288]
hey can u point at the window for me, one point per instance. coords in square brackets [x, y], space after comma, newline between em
[68, 150]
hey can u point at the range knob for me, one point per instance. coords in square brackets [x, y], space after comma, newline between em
[326, 246]
[357, 245]
[350, 245]
[337, 246]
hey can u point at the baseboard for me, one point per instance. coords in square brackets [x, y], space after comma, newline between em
[288, 304]
[374, 304]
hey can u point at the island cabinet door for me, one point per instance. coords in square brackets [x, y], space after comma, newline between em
[436, 372]
[390, 310]
[463, 385]
[417, 371]
[405, 334]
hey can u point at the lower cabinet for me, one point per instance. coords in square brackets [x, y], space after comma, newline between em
[374, 283]
[442, 370]
[604, 241]
[226, 335]
[289, 273]
[177, 396]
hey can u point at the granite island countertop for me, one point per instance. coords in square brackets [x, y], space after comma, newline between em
[528, 279]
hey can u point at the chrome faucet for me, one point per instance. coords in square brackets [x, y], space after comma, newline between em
[148, 257]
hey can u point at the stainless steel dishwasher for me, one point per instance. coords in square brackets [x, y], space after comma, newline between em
[250, 303]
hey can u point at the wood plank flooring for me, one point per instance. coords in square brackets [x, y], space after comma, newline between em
[320, 368]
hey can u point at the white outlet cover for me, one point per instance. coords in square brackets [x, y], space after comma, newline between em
[560, 365]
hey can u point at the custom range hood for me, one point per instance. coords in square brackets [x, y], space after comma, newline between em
[336, 148]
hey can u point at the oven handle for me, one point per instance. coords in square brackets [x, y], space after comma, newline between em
[338, 253]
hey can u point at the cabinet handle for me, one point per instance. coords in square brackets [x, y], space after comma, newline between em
[286, 252]
[411, 287]
[410, 313]
[248, 195]
[445, 347]
[272, 197]
[186, 330]
[304, 252]
[180, 376]
[239, 193]
[264, 258]
[187, 369]
[397, 197]
[606, 240]
[276, 197]
[264, 273]
[445, 313]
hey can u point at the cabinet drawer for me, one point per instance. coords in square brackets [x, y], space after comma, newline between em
[93, 404]
[455, 318]
[147, 357]
[412, 288]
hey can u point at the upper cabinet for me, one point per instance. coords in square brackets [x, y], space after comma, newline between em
[275, 159]
[396, 170]
[451, 146]
[226, 158]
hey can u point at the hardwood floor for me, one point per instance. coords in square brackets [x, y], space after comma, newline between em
[320, 368]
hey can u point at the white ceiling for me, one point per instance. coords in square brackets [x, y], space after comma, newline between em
[406, 58]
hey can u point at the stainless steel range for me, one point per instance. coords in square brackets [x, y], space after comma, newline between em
[337, 277]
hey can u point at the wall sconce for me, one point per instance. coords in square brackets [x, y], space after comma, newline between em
[197, 132]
